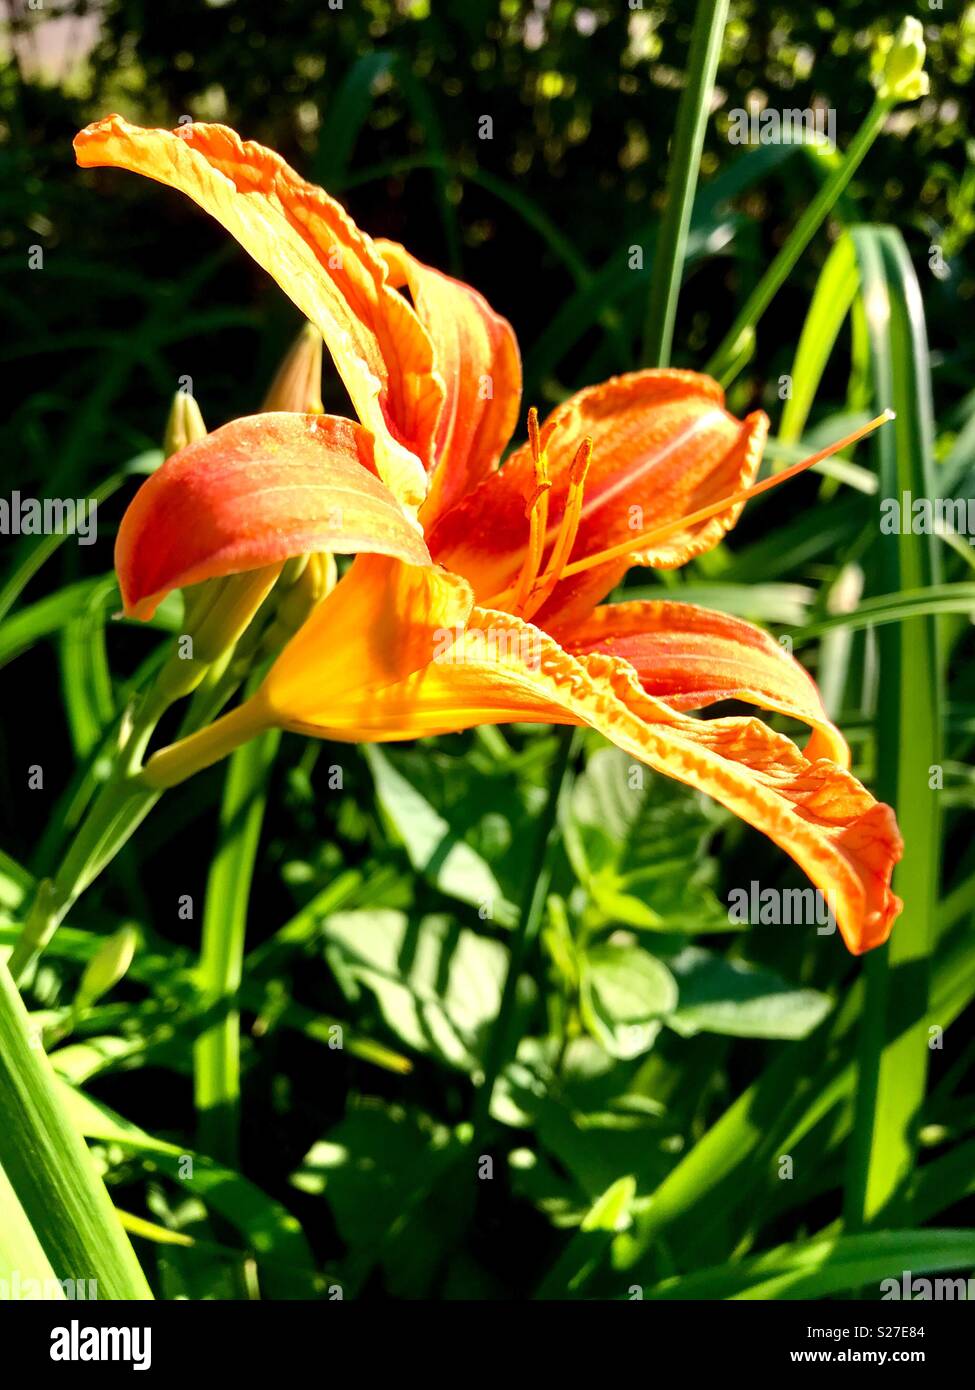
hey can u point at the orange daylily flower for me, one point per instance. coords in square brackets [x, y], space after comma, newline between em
[477, 595]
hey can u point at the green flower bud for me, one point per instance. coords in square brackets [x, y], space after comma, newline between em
[185, 424]
[898, 63]
[107, 966]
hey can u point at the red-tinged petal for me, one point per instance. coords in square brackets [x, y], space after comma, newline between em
[257, 491]
[321, 260]
[663, 446]
[476, 353]
[693, 657]
[500, 669]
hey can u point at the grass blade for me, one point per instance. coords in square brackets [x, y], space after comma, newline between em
[835, 290]
[51, 1170]
[893, 1075]
[821, 1267]
[685, 162]
[216, 1058]
[22, 1259]
[267, 1228]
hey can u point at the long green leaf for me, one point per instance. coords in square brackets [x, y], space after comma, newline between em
[898, 607]
[820, 1267]
[25, 1270]
[733, 1161]
[50, 1168]
[685, 162]
[268, 1228]
[836, 287]
[216, 1058]
[893, 1074]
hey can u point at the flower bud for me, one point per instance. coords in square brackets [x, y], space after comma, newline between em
[218, 613]
[316, 580]
[185, 424]
[107, 966]
[298, 384]
[898, 63]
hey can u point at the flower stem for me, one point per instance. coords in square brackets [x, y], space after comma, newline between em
[181, 759]
[119, 808]
[738, 344]
[216, 1054]
[123, 803]
[533, 904]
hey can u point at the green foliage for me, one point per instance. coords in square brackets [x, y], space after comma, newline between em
[335, 983]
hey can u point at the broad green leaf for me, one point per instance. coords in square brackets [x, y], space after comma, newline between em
[638, 844]
[434, 846]
[624, 994]
[399, 1186]
[608, 1214]
[732, 1163]
[732, 997]
[585, 1114]
[438, 986]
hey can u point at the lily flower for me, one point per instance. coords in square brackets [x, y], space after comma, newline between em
[476, 594]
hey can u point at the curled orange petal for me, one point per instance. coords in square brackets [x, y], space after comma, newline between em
[693, 657]
[257, 491]
[476, 354]
[498, 669]
[663, 446]
[322, 261]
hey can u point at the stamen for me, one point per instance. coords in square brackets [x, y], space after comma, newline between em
[533, 434]
[568, 530]
[660, 533]
[536, 510]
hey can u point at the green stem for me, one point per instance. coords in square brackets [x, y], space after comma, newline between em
[216, 1059]
[738, 345]
[685, 162]
[119, 808]
[533, 904]
[124, 802]
[51, 1170]
[206, 747]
